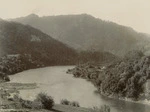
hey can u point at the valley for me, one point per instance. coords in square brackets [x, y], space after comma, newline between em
[73, 63]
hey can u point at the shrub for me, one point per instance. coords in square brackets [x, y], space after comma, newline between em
[74, 104]
[26, 104]
[37, 105]
[46, 101]
[30, 104]
[104, 108]
[66, 102]
[6, 78]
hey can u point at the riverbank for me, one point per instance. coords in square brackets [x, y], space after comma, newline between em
[145, 102]
[125, 80]
[9, 92]
[55, 82]
[9, 103]
[56, 108]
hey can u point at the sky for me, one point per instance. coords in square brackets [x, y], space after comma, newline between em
[132, 13]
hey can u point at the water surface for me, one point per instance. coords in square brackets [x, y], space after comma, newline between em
[55, 82]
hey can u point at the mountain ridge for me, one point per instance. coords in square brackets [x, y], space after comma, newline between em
[85, 32]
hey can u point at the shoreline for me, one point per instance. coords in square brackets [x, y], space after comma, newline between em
[14, 88]
[75, 70]
[145, 102]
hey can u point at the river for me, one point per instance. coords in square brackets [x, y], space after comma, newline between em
[55, 82]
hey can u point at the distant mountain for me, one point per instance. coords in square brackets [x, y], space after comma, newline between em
[84, 32]
[16, 38]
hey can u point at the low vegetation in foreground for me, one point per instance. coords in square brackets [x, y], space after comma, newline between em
[12, 102]
[104, 108]
[127, 77]
[66, 102]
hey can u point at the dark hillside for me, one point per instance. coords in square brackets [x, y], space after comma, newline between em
[23, 47]
[84, 32]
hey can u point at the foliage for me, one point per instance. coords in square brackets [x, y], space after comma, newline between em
[122, 78]
[74, 104]
[42, 101]
[103, 108]
[66, 102]
[127, 77]
[46, 101]
[95, 57]
[11, 64]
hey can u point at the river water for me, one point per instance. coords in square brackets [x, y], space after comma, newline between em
[55, 82]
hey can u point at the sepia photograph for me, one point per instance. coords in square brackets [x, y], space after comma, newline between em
[74, 55]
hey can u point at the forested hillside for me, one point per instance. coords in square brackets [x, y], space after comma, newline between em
[84, 32]
[23, 47]
[124, 78]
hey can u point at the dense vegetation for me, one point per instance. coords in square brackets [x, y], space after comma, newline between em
[46, 101]
[11, 64]
[23, 47]
[95, 56]
[123, 78]
[42, 101]
[16, 38]
[84, 32]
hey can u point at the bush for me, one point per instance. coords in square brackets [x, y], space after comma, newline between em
[37, 105]
[66, 102]
[46, 101]
[74, 104]
[26, 104]
[103, 108]
[6, 78]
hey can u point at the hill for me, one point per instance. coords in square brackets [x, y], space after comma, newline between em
[84, 32]
[24, 47]
[16, 38]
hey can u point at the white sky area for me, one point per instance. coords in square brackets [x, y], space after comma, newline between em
[133, 13]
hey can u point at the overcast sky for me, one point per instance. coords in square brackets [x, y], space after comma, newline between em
[133, 13]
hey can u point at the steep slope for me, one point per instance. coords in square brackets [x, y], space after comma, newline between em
[20, 39]
[84, 32]
[23, 47]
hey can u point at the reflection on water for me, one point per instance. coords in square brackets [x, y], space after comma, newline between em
[55, 82]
